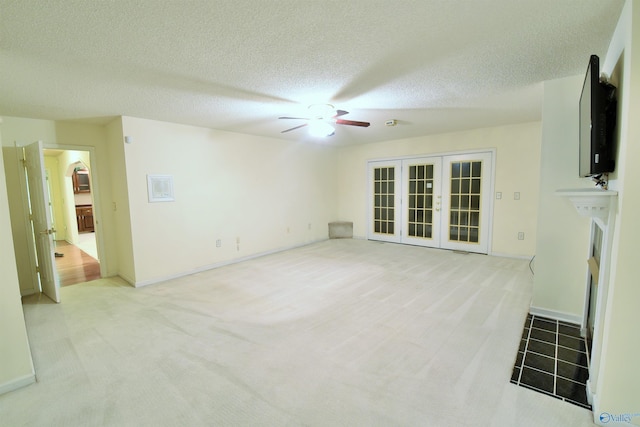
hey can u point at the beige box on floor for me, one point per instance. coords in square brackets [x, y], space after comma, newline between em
[341, 230]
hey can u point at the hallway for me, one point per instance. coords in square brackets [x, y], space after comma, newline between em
[76, 265]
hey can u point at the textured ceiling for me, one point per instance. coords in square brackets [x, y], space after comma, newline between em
[433, 65]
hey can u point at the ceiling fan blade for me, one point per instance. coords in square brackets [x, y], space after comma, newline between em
[295, 118]
[297, 127]
[340, 113]
[352, 123]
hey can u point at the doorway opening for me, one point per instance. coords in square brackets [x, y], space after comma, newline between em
[71, 198]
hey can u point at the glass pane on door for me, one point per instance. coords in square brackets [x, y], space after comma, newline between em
[464, 212]
[384, 200]
[420, 201]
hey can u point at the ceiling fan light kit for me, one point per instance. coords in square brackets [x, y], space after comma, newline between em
[320, 124]
[320, 128]
[322, 111]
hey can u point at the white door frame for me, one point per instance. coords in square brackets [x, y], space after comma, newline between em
[99, 230]
[490, 187]
[97, 205]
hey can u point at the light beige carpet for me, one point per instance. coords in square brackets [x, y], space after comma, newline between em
[340, 333]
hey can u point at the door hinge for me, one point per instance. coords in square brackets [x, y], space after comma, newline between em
[37, 269]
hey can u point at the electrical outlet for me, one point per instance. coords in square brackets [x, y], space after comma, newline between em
[218, 243]
[309, 226]
[516, 195]
[498, 195]
[520, 235]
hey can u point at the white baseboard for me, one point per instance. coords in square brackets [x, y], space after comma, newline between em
[592, 398]
[556, 315]
[17, 383]
[512, 256]
[126, 278]
[590, 395]
[219, 264]
[142, 283]
[27, 292]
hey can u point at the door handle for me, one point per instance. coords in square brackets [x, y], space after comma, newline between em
[49, 231]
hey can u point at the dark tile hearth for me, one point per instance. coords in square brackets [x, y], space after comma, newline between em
[553, 359]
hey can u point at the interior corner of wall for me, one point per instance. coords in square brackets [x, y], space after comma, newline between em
[126, 278]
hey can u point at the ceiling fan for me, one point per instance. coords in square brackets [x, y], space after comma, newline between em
[324, 115]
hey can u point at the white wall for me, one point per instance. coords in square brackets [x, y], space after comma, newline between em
[16, 367]
[618, 387]
[121, 230]
[269, 194]
[563, 236]
[516, 170]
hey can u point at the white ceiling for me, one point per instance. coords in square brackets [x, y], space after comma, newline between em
[433, 65]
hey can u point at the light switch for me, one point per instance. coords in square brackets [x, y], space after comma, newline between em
[516, 195]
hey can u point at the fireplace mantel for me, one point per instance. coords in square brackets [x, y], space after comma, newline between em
[591, 202]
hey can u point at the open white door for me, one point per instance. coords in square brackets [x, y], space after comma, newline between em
[41, 218]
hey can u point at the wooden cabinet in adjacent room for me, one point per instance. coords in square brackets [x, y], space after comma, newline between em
[84, 216]
[80, 179]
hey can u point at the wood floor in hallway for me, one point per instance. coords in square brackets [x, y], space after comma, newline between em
[75, 266]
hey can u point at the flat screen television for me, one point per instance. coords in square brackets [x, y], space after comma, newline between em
[597, 123]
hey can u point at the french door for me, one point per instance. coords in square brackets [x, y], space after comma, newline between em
[437, 201]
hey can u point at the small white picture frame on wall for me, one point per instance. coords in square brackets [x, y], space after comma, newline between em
[160, 188]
